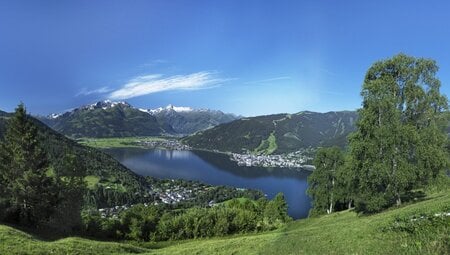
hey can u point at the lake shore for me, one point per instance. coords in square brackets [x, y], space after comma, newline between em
[293, 160]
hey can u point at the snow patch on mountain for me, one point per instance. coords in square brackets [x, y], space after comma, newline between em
[54, 115]
[105, 104]
[171, 107]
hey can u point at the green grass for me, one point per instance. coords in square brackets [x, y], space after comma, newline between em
[117, 142]
[13, 241]
[92, 180]
[241, 200]
[338, 233]
[267, 146]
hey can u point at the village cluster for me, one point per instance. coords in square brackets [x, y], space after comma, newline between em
[170, 193]
[292, 160]
[164, 143]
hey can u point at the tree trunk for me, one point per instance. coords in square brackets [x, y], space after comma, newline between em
[350, 204]
[331, 197]
[399, 200]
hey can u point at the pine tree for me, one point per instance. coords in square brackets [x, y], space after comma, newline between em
[31, 194]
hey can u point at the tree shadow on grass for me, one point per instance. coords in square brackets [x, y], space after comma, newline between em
[414, 196]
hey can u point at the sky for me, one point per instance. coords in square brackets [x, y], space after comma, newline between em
[243, 57]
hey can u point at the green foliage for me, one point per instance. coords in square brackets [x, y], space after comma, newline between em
[400, 143]
[140, 222]
[276, 134]
[323, 181]
[338, 233]
[72, 187]
[144, 223]
[31, 195]
[125, 186]
[400, 140]
[275, 211]
[230, 218]
[35, 194]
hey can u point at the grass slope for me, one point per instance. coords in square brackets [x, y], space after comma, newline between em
[13, 241]
[338, 233]
[267, 146]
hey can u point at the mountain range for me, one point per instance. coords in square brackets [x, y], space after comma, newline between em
[278, 133]
[120, 119]
[186, 120]
[208, 129]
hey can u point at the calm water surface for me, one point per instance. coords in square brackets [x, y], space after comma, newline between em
[217, 169]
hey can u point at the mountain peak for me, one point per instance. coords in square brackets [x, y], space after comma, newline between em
[105, 104]
[169, 108]
[179, 108]
[170, 119]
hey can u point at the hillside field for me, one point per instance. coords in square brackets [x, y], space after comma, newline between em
[417, 228]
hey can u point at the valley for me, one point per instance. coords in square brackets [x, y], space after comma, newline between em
[150, 142]
[296, 159]
[218, 170]
[224, 127]
[267, 141]
[109, 182]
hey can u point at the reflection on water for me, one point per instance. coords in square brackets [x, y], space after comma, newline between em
[218, 169]
[169, 154]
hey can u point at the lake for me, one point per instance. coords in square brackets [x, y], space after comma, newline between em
[218, 169]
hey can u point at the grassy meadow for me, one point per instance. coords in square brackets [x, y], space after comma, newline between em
[117, 142]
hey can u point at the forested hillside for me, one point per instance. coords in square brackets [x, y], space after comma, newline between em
[279, 133]
[125, 186]
[109, 182]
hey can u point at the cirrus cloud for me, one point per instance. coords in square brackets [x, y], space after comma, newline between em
[154, 83]
[86, 92]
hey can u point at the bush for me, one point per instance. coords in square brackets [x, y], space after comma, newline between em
[144, 223]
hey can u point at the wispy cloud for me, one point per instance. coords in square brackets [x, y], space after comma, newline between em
[269, 80]
[153, 83]
[86, 92]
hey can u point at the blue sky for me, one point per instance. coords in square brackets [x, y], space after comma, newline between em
[245, 57]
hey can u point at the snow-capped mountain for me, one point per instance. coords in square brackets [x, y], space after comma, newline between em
[109, 119]
[186, 120]
[106, 104]
[170, 108]
[106, 119]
